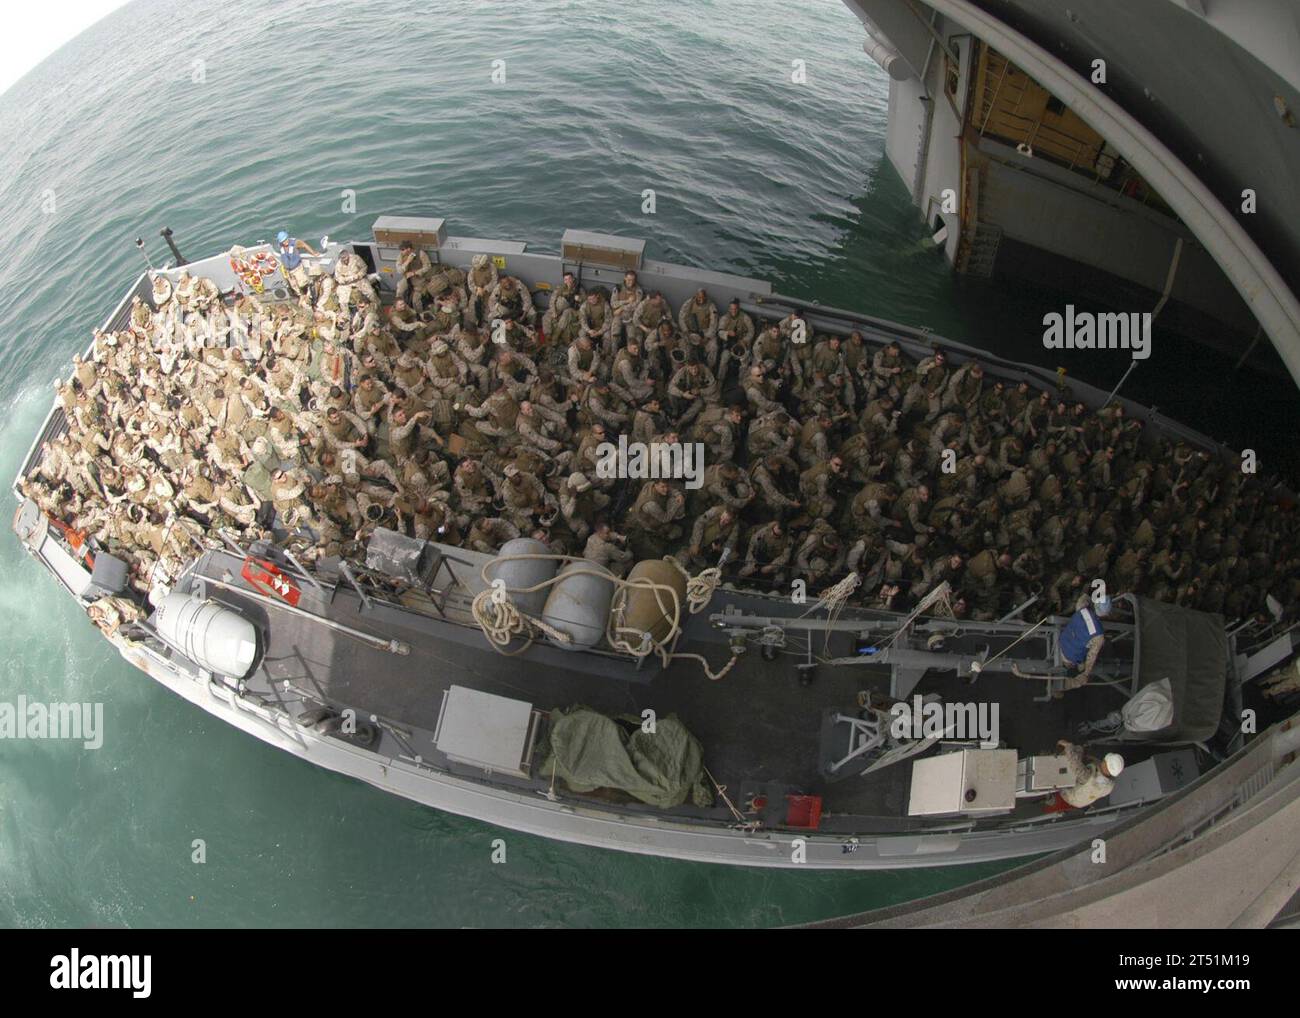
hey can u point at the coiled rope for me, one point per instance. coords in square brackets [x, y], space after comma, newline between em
[502, 621]
[699, 588]
[833, 599]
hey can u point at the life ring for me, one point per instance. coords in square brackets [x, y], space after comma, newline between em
[265, 263]
[267, 579]
[247, 274]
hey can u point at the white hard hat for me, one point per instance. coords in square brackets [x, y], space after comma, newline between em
[1114, 764]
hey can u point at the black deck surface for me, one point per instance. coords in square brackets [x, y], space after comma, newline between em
[760, 729]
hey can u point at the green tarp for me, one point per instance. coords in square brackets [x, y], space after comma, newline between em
[590, 751]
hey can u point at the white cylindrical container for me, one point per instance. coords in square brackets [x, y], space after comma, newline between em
[216, 638]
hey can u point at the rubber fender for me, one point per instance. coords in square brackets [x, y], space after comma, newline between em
[579, 604]
[644, 610]
[524, 573]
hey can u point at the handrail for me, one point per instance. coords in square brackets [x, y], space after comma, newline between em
[378, 642]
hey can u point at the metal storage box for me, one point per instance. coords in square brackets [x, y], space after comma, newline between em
[484, 730]
[602, 249]
[109, 576]
[1153, 779]
[401, 557]
[1037, 775]
[941, 784]
[390, 231]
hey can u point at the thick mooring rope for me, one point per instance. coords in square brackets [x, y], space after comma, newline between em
[699, 589]
[502, 621]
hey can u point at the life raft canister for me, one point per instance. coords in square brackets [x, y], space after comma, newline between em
[269, 580]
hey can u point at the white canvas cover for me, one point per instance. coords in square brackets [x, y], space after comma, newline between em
[1151, 708]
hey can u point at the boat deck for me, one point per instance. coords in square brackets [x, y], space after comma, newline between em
[760, 729]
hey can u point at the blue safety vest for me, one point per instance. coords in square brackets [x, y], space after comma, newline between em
[290, 256]
[1077, 633]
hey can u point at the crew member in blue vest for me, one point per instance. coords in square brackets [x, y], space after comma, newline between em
[1082, 638]
[291, 252]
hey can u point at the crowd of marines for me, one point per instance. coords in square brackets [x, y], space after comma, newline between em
[463, 412]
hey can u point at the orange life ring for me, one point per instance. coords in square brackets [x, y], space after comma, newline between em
[248, 275]
[267, 579]
[264, 263]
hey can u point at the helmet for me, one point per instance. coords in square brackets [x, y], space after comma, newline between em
[1114, 763]
[1103, 606]
[281, 237]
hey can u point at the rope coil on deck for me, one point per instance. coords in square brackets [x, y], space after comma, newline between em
[502, 621]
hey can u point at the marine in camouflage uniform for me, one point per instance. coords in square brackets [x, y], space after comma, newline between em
[821, 554]
[652, 522]
[714, 538]
[415, 268]
[596, 322]
[580, 503]
[768, 550]
[607, 548]
[819, 486]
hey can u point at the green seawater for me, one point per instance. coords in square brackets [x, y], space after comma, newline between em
[113, 137]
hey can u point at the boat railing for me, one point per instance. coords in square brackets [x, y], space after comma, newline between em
[370, 587]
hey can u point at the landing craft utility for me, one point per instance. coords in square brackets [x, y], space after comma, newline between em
[246, 463]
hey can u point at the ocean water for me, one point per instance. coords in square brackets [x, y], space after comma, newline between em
[228, 121]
